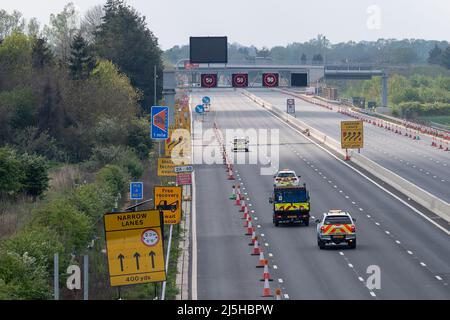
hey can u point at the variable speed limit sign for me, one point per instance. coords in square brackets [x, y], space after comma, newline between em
[209, 80]
[270, 80]
[240, 80]
[352, 134]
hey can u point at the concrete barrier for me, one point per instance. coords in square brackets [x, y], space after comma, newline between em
[424, 198]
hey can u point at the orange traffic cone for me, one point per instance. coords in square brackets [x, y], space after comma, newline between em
[249, 228]
[230, 174]
[242, 206]
[254, 238]
[245, 213]
[266, 275]
[266, 290]
[261, 261]
[238, 201]
[256, 249]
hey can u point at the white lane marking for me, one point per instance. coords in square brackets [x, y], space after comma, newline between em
[373, 294]
[387, 232]
[377, 223]
[361, 209]
[346, 197]
[341, 253]
[439, 278]
[275, 266]
[194, 240]
[262, 234]
[409, 252]
[423, 264]
[398, 242]
[256, 218]
[266, 244]
[368, 216]
[361, 174]
[350, 265]
[360, 279]
[259, 226]
[252, 211]
[353, 202]
[280, 280]
[286, 296]
[271, 255]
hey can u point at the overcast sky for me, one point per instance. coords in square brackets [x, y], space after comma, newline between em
[273, 22]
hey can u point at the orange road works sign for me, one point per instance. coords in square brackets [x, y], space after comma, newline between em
[168, 199]
[134, 246]
[352, 134]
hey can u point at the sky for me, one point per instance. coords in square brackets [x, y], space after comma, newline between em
[272, 22]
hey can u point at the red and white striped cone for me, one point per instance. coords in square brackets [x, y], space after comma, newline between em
[246, 221]
[242, 196]
[440, 145]
[242, 206]
[230, 175]
[250, 228]
[245, 213]
[254, 238]
[266, 290]
[261, 261]
[446, 146]
[433, 143]
[256, 249]
[238, 201]
[266, 275]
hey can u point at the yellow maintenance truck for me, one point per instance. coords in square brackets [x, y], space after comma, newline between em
[291, 204]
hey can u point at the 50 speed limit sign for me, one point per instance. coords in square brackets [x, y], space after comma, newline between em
[270, 79]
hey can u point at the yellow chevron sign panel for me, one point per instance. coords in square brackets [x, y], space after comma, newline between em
[352, 134]
[134, 246]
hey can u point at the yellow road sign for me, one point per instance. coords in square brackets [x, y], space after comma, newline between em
[168, 199]
[166, 167]
[134, 245]
[352, 134]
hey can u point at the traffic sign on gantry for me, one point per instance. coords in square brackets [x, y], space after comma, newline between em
[134, 246]
[352, 134]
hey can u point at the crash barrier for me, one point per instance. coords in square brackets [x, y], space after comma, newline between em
[422, 197]
[370, 117]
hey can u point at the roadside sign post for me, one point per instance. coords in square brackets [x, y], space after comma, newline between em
[134, 246]
[352, 136]
[290, 105]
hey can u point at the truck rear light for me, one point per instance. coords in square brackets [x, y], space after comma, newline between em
[353, 228]
[279, 216]
[322, 228]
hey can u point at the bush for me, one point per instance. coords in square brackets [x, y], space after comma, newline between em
[121, 156]
[35, 180]
[74, 229]
[21, 277]
[39, 243]
[138, 137]
[11, 171]
[113, 177]
[93, 199]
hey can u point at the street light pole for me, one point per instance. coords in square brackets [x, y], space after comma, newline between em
[154, 85]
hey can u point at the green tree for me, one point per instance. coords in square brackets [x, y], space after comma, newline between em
[11, 172]
[124, 38]
[81, 62]
[303, 59]
[435, 55]
[446, 58]
[41, 55]
[36, 180]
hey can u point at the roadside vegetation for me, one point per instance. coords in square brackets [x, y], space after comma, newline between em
[73, 133]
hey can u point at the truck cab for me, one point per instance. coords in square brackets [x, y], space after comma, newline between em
[291, 204]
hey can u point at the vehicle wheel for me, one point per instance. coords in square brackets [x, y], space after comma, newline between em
[246, 150]
[306, 222]
[320, 244]
[276, 223]
[352, 245]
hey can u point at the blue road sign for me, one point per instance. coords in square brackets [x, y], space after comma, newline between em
[206, 100]
[136, 190]
[200, 108]
[160, 122]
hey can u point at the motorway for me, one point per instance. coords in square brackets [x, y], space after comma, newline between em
[413, 254]
[426, 166]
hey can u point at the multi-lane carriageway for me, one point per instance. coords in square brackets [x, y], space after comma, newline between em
[412, 253]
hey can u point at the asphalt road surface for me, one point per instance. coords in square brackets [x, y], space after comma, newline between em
[427, 167]
[413, 255]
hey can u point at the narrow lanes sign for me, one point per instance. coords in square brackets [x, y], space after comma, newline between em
[134, 246]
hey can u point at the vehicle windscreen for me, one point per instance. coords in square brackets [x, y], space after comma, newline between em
[337, 220]
[291, 195]
[286, 175]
